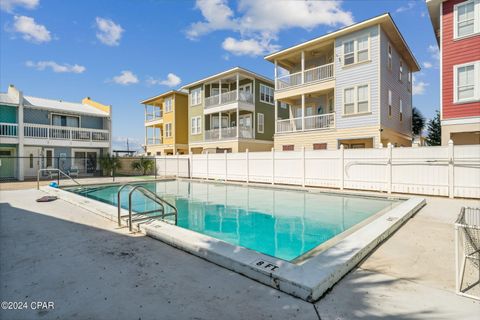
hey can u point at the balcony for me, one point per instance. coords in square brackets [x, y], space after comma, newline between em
[153, 117]
[8, 129]
[153, 141]
[315, 122]
[228, 133]
[57, 135]
[316, 74]
[228, 97]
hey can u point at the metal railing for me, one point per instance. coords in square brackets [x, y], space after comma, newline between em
[150, 195]
[153, 116]
[320, 73]
[59, 172]
[64, 133]
[289, 125]
[228, 97]
[315, 122]
[228, 133]
[8, 129]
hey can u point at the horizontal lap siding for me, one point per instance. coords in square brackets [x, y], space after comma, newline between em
[455, 52]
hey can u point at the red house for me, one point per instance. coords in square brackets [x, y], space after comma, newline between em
[457, 27]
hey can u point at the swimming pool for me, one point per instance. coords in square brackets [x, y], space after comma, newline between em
[282, 223]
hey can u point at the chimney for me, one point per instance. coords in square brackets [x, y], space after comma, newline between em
[12, 91]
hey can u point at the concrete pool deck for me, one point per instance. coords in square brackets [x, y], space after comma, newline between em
[62, 253]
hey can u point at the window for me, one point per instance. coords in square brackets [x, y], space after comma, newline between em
[349, 52]
[466, 18]
[283, 105]
[196, 96]
[362, 98]
[266, 94]
[466, 82]
[409, 76]
[288, 147]
[356, 100]
[168, 130]
[196, 125]
[168, 105]
[348, 102]
[389, 60]
[319, 146]
[362, 53]
[389, 103]
[65, 121]
[401, 110]
[260, 123]
[400, 71]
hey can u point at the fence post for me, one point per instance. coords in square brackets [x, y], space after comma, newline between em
[342, 166]
[248, 165]
[273, 165]
[190, 165]
[226, 171]
[389, 167]
[178, 164]
[165, 165]
[303, 166]
[451, 163]
[207, 163]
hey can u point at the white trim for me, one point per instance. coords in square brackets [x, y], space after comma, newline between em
[197, 120]
[168, 133]
[260, 116]
[45, 155]
[356, 50]
[65, 115]
[476, 81]
[470, 120]
[476, 19]
[267, 89]
[199, 97]
[355, 100]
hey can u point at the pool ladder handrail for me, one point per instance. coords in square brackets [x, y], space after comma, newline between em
[149, 194]
[58, 179]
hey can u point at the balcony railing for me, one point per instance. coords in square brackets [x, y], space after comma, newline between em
[320, 73]
[316, 122]
[64, 133]
[8, 129]
[153, 116]
[228, 97]
[154, 141]
[228, 133]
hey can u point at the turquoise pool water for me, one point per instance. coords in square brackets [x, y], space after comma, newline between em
[281, 223]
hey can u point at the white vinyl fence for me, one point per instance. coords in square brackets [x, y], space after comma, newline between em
[452, 171]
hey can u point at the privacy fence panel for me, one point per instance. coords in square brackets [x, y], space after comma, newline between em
[442, 171]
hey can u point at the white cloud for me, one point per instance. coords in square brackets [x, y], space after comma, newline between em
[427, 65]
[172, 81]
[30, 30]
[259, 22]
[9, 5]
[58, 68]
[406, 7]
[419, 87]
[249, 47]
[125, 78]
[109, 33]
[435, 53]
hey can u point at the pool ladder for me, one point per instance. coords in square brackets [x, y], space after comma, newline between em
[144, 216]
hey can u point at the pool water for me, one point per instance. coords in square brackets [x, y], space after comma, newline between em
[282, 223]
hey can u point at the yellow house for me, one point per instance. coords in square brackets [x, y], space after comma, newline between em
[166, 126]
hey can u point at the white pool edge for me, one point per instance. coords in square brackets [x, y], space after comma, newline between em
[308, 280]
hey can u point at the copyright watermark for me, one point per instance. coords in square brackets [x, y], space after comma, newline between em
[26, 305]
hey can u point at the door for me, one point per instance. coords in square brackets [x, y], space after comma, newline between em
[245, 92]
[245, 123]
[7, 164]
[91, 162]
[32, 161]
[49, 161]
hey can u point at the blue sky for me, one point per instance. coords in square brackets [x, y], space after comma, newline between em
[120, 52]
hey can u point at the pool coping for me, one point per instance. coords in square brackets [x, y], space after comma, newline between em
[308, 280]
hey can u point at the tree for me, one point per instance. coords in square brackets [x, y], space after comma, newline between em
[418, 122]
[143, 165]
[110, 163]
[434, 128]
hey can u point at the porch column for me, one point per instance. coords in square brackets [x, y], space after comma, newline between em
[220, 91]
[276, 113]
[238, 87]
[145, 112]
[21, 133]
[253, 123]
[275, 71]
[303, 112]
[303, 67]
[146, 136]
[219, 125]
[237, 122]
[153, 135]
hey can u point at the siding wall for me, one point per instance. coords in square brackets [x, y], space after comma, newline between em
[38, 116]
[456, 52]
[181, 119]
[194, 111]
[400, 90]
[269, 114]
[350, 76]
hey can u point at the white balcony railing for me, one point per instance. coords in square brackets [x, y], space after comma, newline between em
[153, 116]
[228, 97]
[316, 122]
[64, 133]
[154, 141]
[8, 129]
[320, 73]
[228, 133]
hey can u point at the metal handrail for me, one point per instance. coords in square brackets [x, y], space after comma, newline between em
[58, 179]
[149, 194]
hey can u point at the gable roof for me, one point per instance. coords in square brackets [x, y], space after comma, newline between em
[62, 106]
[163, 95]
